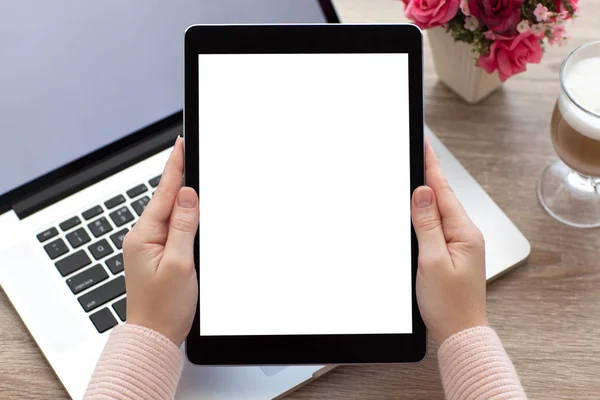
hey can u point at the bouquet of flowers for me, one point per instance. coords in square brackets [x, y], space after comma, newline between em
[505, 35]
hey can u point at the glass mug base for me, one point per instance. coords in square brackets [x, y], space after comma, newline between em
[570, 197]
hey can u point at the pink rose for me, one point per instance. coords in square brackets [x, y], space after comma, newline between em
[431, 13]
[500, 16]
[511, 57]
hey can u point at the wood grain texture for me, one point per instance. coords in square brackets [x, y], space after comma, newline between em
[547, 312]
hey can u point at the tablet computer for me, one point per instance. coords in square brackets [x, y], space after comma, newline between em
[305, 143]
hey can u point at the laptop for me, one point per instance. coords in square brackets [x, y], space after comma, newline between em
[505, 245]
[89, 109]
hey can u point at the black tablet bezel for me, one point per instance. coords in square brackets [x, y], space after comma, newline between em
[292, 39]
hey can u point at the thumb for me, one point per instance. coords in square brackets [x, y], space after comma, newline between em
[428, 227]
[182, 228]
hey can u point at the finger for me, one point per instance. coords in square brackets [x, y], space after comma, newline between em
[450, 209]
[179, 249]
[428, 227]
[159, 209]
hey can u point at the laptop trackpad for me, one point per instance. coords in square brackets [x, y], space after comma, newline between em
[270, 371]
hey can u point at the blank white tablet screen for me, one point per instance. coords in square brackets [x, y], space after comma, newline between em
[304, 194]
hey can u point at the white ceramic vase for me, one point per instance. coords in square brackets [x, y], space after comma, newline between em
[456, 67]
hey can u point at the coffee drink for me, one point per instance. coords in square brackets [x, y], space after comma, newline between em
[575, 122]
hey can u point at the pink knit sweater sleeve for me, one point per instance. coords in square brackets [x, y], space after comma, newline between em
[136, 364]
[474, 365]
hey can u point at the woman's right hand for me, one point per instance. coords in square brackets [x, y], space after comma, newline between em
[451, 285]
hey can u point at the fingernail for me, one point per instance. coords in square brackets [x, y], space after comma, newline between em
[423, 198]
[187, 198]
[177, 140]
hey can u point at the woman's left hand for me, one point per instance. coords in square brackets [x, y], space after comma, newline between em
[162, 289]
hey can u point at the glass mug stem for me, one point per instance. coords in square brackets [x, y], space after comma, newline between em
[583, 182]
[569, 196]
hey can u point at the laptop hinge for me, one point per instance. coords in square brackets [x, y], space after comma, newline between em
[98, 171]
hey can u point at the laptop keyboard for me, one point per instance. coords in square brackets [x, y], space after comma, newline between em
[91, 258]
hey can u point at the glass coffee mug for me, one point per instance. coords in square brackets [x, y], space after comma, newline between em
[569, 189]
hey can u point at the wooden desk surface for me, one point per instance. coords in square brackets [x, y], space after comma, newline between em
[547, 312]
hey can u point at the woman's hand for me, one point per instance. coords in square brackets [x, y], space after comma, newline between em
[451, 282]
[162, 289]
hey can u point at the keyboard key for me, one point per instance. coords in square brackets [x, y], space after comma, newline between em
[92, 212]
[117, 238]
[103, 294]
[103, 320]
[155, 181]
[140, 205]
[56, 249]
[121, 216]
[70, 223]
[136, 191]
[78, 237]
[100, 249]
[115, 201]
[86, 279]
[73, 263]
[47, 234]
[121, 308]
[100, 226]
[115, 264]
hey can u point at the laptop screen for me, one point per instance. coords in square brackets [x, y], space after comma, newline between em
[78, 75]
